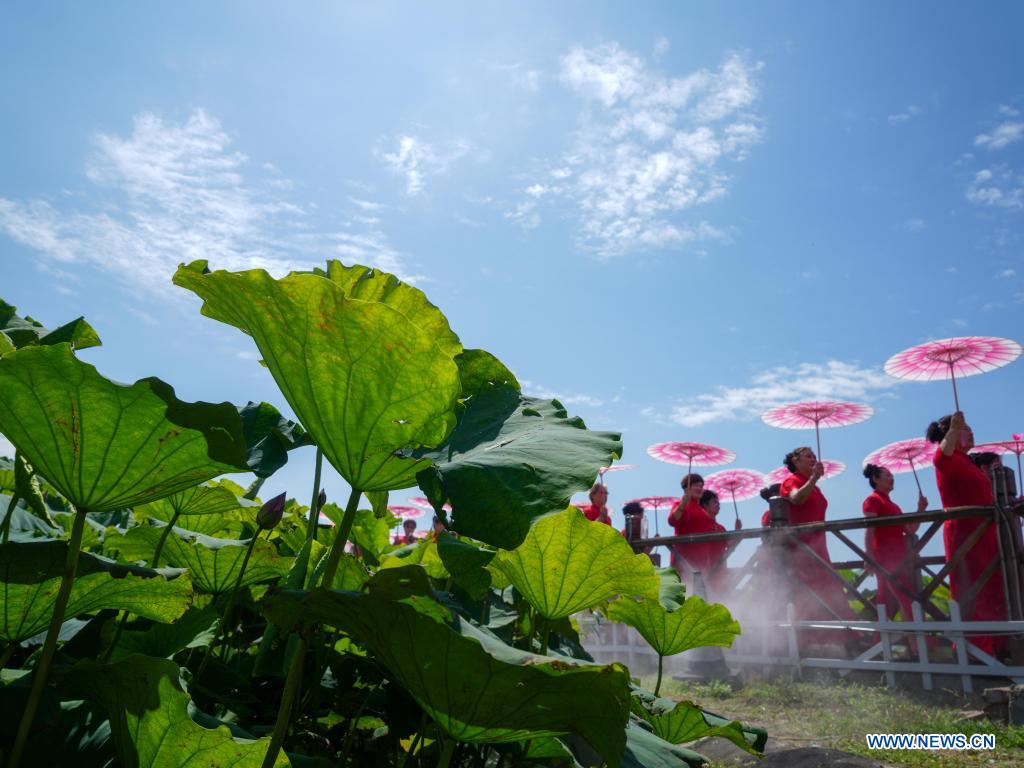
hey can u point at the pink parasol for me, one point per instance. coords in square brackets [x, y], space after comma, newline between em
[423, 503]
[816, 414]
[1014, 446]
[613, 468]
[832, 468]
[691, 454]
[948, 358]
[654, 503]
[404, 512]
[740, 484]
[904, 456]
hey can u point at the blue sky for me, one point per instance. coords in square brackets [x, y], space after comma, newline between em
[672, 216]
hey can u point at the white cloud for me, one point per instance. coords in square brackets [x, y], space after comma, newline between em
[1007, 274]
[650, 147]
[417, 160]
[914, 224]
[171, 193]
[1004, 135]
[565, 398]
[998, 187]
[901, 118]
[807, 381]
[661, 47]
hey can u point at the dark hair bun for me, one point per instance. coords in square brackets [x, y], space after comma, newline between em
[870, 471]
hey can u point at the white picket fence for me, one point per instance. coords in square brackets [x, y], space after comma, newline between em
[779, 649]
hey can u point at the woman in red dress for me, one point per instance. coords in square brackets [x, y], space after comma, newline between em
[962, 484]
[717, 550]
[689, 517]
[597, 509]
[887, 545]
[808, 505]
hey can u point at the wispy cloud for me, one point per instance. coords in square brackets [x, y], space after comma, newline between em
[997, 186]
[566, 398]
[904, 117]
[1003, 135]
[173, 192]
[649, 147]
[832, 380]
[416, 160]
[914, 224]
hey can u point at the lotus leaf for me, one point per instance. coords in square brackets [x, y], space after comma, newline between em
[150, 720]
[568, 563]
[195, 629]
[510, 460]
[474, 686]
[212, 563]
[31, 574]
[366, 382]
[103, 445]
[467, 563]
[368, 284]
[423, 553]
[681, 722]
[479, 371]
[694, 625]
[269, 436]
[17, 332]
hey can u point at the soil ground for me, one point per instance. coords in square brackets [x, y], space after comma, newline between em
[823, 722]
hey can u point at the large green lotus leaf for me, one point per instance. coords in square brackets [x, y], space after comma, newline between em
[368, 284]
[479, 371]
[672, 591]
[568, 564]
[106, 446]
[150, 720]
[366, 382]
[510, 460]
[681, 722]
[269, 437]
[31, 574]
[17, 332]
[195, 629]
[474, 686]
[212, 563]
[370, 533]
[423, 553]
[467, 563]
[24, 526]
[203, 508]
[695, 625]
[6, 473]
[351, 573]
[647, 750]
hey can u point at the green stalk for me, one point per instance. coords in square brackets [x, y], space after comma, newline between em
[254, 488]
[314, 506]
[284, 712]
[338, 547]
[42, 669]
[226, 614]
[657, 685]
[123, 620]
[6, 529]
[446, 753]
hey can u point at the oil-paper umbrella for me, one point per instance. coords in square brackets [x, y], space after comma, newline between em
[949, 358]
[832, 468]
[1014, 446]
[740, 484]
[423, 503]
[613, 468]
[816, 414]
[655, 503]
[904, 456]
[691, 454]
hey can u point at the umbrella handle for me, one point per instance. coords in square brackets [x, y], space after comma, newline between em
[956, 397]
[817, 438]
[735, 508]
[1019, 478]
[914, 470]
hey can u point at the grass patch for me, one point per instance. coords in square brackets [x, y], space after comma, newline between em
[839, 714]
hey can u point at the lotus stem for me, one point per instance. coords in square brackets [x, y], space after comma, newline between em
[254, 488]
[42, 669]
[338, 547]
[6, 530]
[226, 614]
[314, 504]
[661, 664]
[446, 753]
[284, 711]
[163, 538]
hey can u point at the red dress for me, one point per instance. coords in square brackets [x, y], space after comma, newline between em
[593, 513]
[888, 546]
[962, 484]
[694, 519]
[805, 569]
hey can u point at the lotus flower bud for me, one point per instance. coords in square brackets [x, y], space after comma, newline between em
[321, 499]
[270, 513]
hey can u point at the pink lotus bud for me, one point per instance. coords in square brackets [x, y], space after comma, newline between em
[321, 499]
[270, 513]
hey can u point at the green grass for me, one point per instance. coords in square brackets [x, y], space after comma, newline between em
[838, 714]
